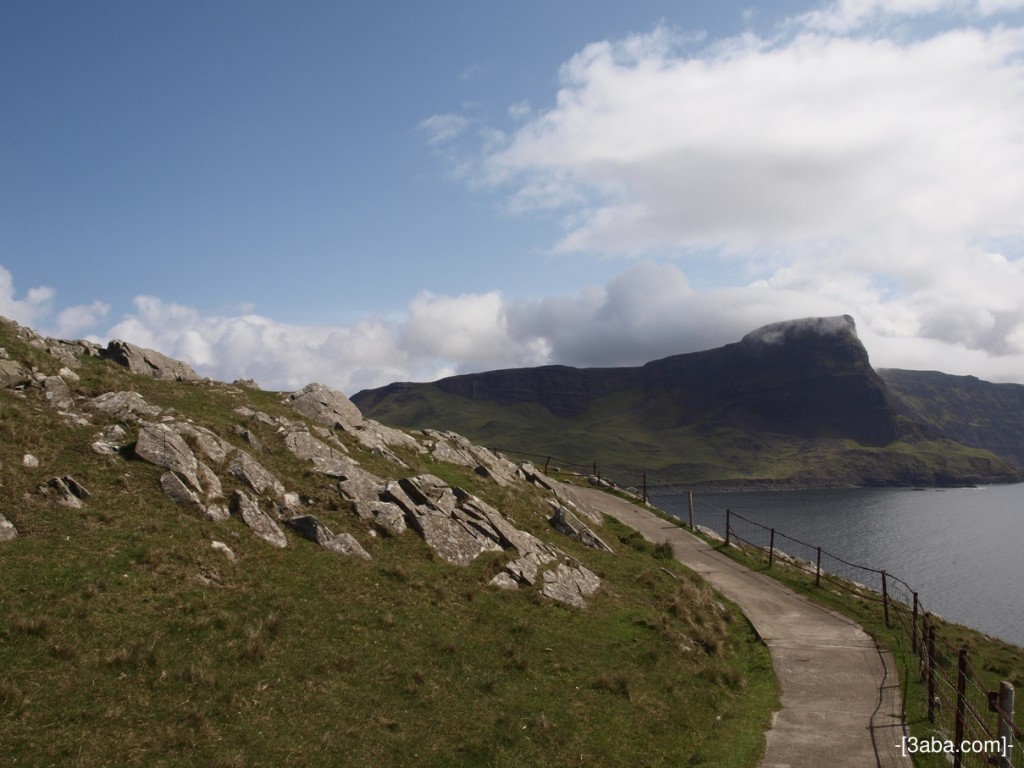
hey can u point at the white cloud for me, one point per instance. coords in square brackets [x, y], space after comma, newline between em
[444, 128]
[27, 311]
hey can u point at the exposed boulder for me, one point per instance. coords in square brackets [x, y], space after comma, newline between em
[564, 521]
[123, 406]
[209, 443]
[325, 405]
[304, 445]
[69, 492]
[109, 440]
[160, 444]
[223, 548]
[7, 529]
[56, 392]
[258, 520]
[13, 374]
[255, 475]
[180, 493]
[149, 362]
[314, 530]
[570, 584]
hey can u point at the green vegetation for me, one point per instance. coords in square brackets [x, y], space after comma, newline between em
[991, 659]
[126, 639]
[626, 437]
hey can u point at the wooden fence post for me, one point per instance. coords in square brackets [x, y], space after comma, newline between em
[771, 549]
[691, 510]
[1006, 722]
[961, 706]
[885, 599]
[645, 487]
[931, 673]
[817, 570]
[728, 514]
[913, 626]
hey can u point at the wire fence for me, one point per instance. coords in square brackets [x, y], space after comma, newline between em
[556, 466]
[974, 726]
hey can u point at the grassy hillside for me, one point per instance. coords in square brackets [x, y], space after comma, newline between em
[127, 639]
[626, 435]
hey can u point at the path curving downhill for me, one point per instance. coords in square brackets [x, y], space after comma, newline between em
[841, 704]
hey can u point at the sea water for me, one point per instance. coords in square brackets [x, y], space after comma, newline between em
[961, 549]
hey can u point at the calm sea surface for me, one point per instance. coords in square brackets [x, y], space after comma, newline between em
[962, 550]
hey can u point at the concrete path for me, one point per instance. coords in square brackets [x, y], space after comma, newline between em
[841, 701]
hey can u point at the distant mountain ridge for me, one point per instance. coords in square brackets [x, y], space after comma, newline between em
[791, 404]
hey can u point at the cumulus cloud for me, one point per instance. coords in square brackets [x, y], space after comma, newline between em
[27, 310]
[845, 157]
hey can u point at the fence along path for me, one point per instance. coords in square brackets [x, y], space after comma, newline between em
[841, 704]
[959, 703]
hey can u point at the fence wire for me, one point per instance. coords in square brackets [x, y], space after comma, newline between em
[959, 704]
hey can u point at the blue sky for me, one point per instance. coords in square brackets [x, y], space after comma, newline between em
[363, 192]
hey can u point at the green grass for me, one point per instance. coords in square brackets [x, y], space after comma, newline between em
[126, 639]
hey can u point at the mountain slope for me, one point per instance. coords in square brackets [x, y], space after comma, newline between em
[791, 404]
[163, 600]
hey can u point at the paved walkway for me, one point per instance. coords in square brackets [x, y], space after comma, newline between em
[840, 692]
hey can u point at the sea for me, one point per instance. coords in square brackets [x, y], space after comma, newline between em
[960, 549]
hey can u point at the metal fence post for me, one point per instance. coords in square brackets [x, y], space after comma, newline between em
[771, 549]
[961, 706]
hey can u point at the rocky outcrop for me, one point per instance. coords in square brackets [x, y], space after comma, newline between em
[246, 507]
[149, 362]
[314, 530]
[201, 467]
[564, 521]
[7, 530]
[326, 406]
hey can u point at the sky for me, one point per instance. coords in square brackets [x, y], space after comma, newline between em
[363, 192]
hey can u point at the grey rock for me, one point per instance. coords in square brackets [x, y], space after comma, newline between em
[124, 406]
[69, 492]
[255, 475]
[250, 437]
[570, 584]
[149, 362]
[206, 441]
[535, 476]
[109, 440]
[504, 581]
[180, 493]
[357, 484]
[305, 446]
[325, 405]
[451, 539]
[389, 519]
[29, 461]
[56, 392]
[314, 530]
[258, 520]
[13, 374]
[564, 521]
[7, 530]
[160, 444]
[68, 375]
[220, 546]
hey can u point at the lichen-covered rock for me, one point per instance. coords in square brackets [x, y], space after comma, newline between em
[180, 493]
[123, 406]
[149, 362]
[13, 374]
[314, 530]
[255, 475]
[570, 584]
[209, 443]
[305, 446]
[564, 521]
[160, 444]
[57, 394]
[325, 405]
[109, 440]
[258, 520]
